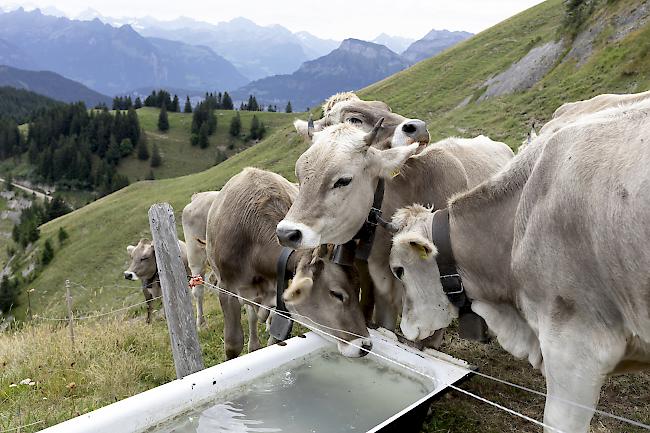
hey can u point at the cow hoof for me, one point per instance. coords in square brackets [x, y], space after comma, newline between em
[232, 353]
[254, 347]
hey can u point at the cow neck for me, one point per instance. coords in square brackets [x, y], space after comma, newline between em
[360, 245]
[148, 283]
[471, 325]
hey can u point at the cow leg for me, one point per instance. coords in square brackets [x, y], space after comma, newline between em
[196, 258]
[233, 333]
[253, 338]
[576, 363]
[197, 293]
[148, 299]
[387, 296]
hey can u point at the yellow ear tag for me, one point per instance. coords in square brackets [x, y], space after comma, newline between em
[395, 173]
[423, 252]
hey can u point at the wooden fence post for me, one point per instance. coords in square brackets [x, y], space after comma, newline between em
[176, 298]
[68, 299]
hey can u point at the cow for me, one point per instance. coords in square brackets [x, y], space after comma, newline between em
[553, 253]
[241, 243]
[346, 107]
[338, 175]
[143, 267]
[194, 220]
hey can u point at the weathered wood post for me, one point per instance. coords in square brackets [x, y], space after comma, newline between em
[176, 298]
[68, 299]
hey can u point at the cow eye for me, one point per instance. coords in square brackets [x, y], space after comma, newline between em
[337, 295]
[142, 259]
[355, 121]
[343, 181]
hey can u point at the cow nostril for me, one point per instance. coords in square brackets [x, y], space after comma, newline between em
[409, 128]
[366, 346]
[398, 271]
[294, 236]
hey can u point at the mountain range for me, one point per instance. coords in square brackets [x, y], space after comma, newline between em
[433, 43]
[257, 51]
[126, 55]
[353, 65]
[108, 59]
[51, 85]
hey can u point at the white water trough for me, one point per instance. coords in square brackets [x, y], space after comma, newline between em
[301, 386]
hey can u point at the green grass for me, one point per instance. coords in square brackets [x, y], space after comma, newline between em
[179, 156]
[431, 90]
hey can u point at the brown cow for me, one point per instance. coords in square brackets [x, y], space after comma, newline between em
[241, 244]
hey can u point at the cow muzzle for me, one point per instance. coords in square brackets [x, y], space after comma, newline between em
[356, 348]
[128, 275]
[296, 235]
[409, 132]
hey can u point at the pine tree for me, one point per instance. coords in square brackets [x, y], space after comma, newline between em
[62, 235]
[163, 121]
[255, 125]
[175, 105]
[156, 160]
[261, 131]
[8, 294]
[226, 102]
[143, 148]
[203, 136]
[188, 105]
[288, 108]
[48, 253]
[235, 125]
[138, 103]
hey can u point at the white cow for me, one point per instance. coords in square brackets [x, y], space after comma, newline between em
[553, 252]
[194, 220]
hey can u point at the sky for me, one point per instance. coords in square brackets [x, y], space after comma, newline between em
[334, 19]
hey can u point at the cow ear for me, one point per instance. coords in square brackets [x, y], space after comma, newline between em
[298, 291]
[421, 246]
[386, 163]
[308, 128]
[130, 249]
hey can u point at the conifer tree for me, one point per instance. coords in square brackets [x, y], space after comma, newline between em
[138, 103]
[188, 105]
[143, 148]
[48, 252]
[235, 125]
[163, 121]
[226, 102]
[156, 160]
[288, 108]
[203, 136]
[175, 105]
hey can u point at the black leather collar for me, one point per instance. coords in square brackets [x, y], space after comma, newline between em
[361, 244]
[281, 325]
[471, 325]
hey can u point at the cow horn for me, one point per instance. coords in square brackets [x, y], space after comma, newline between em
[370, 137]
[310, 126]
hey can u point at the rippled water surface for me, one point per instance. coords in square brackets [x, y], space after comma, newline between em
[324, 392]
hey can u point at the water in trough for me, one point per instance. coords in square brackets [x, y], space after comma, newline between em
[323, 392]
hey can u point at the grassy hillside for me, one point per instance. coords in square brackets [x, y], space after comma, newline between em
[432, 90]
[179, 156]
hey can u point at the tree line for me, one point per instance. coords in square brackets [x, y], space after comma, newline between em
[62, 143]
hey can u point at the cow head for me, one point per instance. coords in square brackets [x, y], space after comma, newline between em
[348, 108]
[326, 293]
[425, 306]
[337, 178]
[143, 261]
